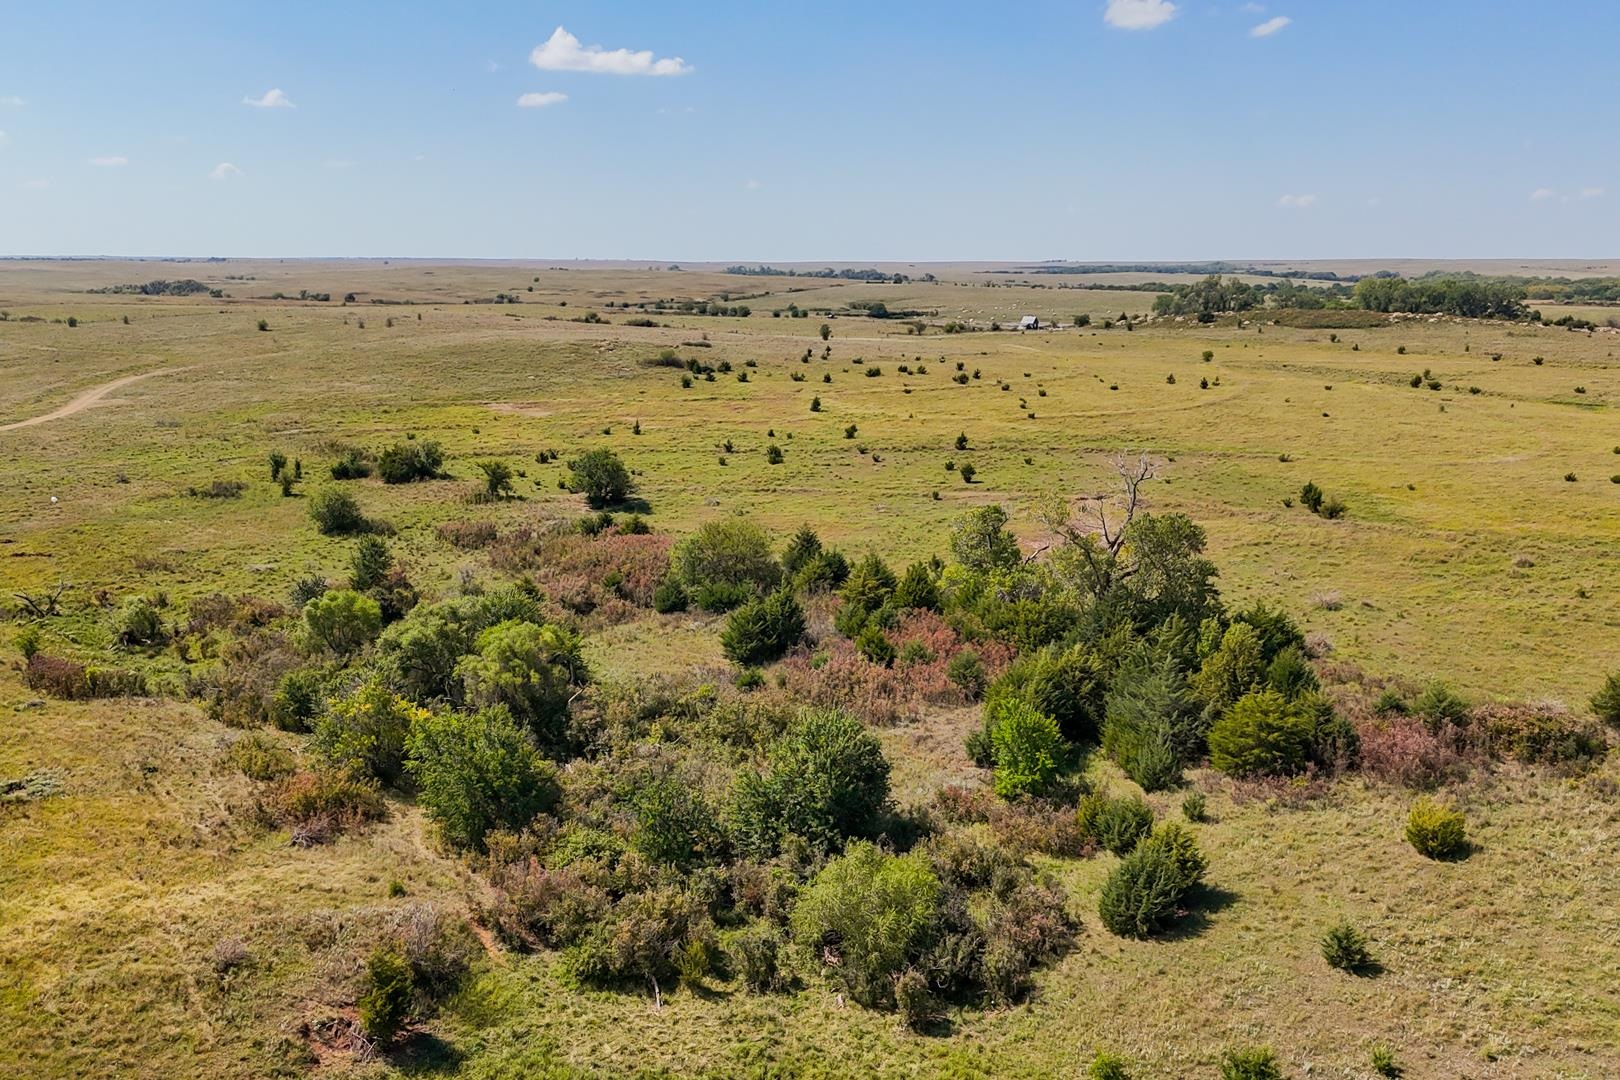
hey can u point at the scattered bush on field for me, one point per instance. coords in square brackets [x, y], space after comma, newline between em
[1437, 831]
[1345, 948]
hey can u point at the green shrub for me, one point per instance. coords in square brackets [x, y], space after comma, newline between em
[1152, 722]
[1116, 824]
[352, 464]
[1435, 830]
[825, 780]
[873, 912]
[321, 805]
[369, 564]
[646, 939]
[1063, 683]
[755, 952]
[342, 621]
[1345, 948]
[763, 629]
[1250, 1062]
[410, 461]
[1440, 707]
[1026, 747]
[1262, 734]
[675, 825]
[28, 642]
[1145, 892]
[297, 700]
[1606, 702]
[731, 556]
[259, 757]
[1235, 667]
[385, 1002]
[1107, 1066]
[1384, 1064]
[669, 597]
[336, 512]
[875, 645]
[869, 586]
[476, 773]
[914, 997]
[966, 672]
[917, 589]
[1195, 807]
[601, 477]
[140, 623]
[364, 732]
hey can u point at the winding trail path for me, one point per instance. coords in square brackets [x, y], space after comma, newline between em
[88, 398]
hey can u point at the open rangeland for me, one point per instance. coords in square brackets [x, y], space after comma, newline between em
[154, 922]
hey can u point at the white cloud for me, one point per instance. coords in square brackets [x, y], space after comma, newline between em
[34, 185]
[3, 139]
[1253, 8]
[1270, 26]
[1138, 14]
[272, 99]
[1376, 200]
[1592, 193]
[110, 161]
[563, 52]
[12, 101]
[751, 185]
[224, 171]
[1297, 202]
[1542, 194]
[540, 101]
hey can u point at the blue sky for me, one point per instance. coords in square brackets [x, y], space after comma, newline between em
[1098, 129]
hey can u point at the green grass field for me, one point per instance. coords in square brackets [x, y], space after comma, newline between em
[1481, 546]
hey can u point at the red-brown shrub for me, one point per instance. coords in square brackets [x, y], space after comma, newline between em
[608, 576]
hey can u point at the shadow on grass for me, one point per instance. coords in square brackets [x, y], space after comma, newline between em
[1208, 901]
[426, 1054]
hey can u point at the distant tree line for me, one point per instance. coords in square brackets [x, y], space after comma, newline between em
[160, 287]
[1467, 296]
[846, 274]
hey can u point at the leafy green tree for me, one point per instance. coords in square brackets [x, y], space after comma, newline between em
[533, 671]
[800, 551]
[875, 912]
[410, 461]
[1026, 747]
[732, 553]
[498, 477]
[601, 477]
[336, 513]
[675, 825]
[476, 773]
[981, 543]
[364, 732]
[1236, 667]
[342, 621]
[1606, 702]
[870, 586]
[825, 780]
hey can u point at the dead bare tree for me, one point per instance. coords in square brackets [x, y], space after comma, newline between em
[44, 605]
[1095, 529]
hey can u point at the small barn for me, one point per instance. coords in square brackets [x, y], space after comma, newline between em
[1029, 322]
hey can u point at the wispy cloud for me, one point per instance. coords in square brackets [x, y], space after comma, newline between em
[1542, 194]
[1270, 26]
[12, 101]
[224, 171]
[3, 140]
[1592, 193]
[1297, 202]
[751, 184]
[34, 185]
[540, 101]
[110, 161]
[563, 52]
[340, 163]
[271, 99]
[1138, 14]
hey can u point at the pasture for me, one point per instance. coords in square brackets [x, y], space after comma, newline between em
[1480, 547]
